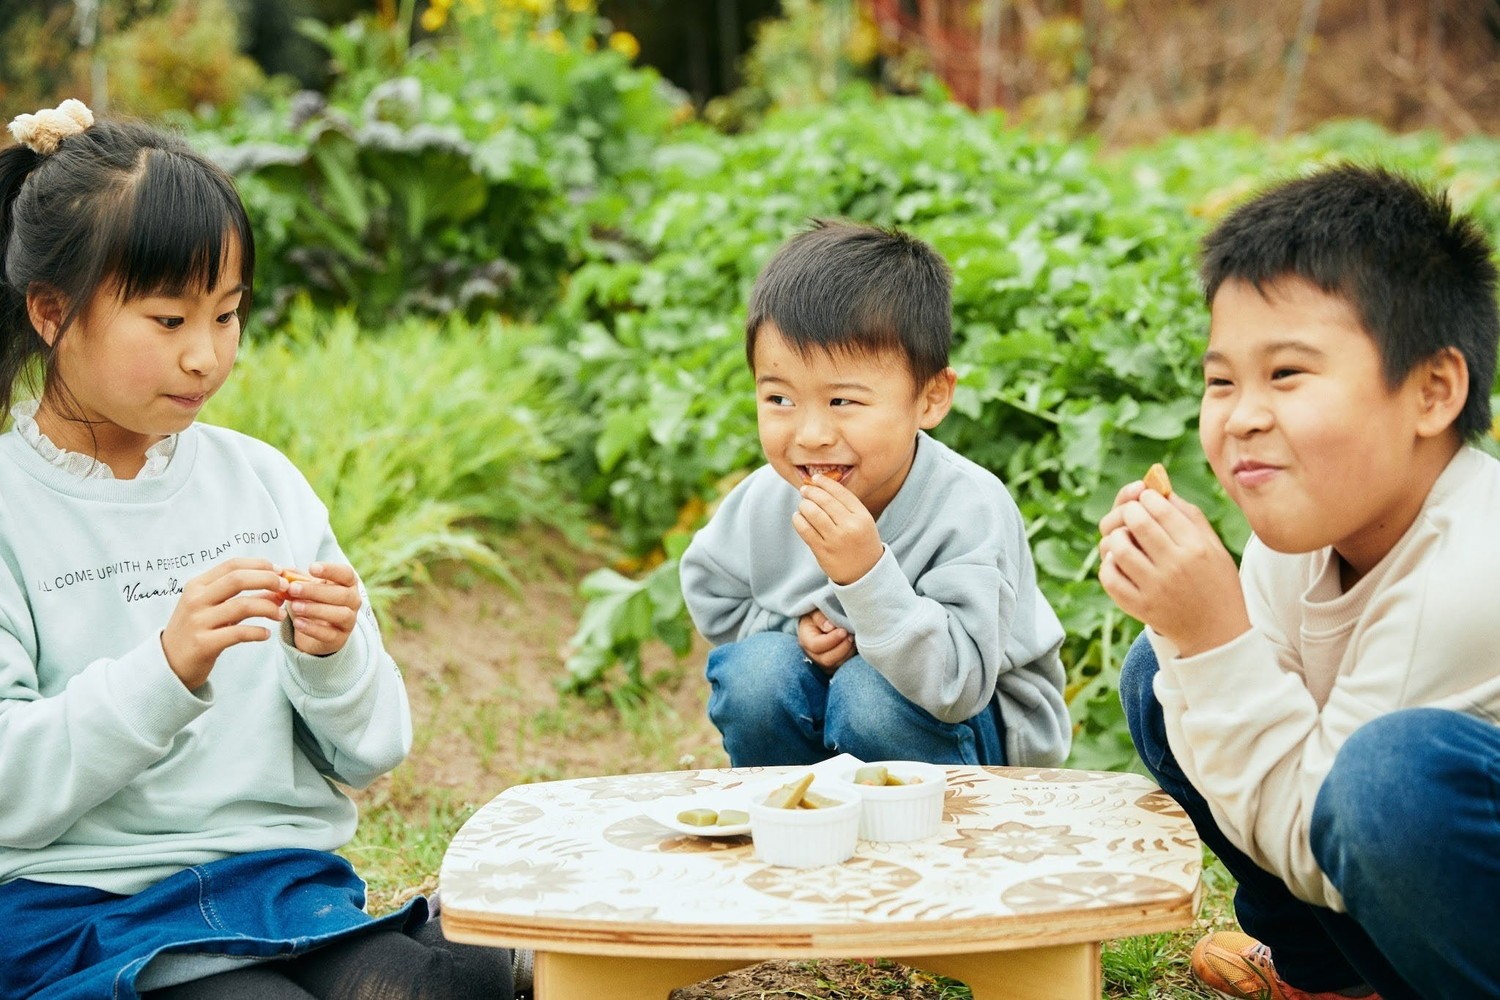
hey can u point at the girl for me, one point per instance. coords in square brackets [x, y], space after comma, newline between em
[173, 711]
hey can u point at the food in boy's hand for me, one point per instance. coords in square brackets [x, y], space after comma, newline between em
[836, 474]
[1156, 479]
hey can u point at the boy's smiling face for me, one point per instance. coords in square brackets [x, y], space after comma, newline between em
[1302, 429]
[856, 415]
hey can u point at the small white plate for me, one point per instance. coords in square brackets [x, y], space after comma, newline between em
[665, 813]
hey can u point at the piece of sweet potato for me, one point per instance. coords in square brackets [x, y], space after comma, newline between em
[1156, 479]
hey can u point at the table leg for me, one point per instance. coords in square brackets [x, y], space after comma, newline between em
[1063, 972]
[561, 976]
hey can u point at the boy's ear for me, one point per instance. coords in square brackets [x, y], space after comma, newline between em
[1442, 391]
[937, 398]
[46, 308]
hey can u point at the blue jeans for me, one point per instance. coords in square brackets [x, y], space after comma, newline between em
[1406, 827]
[774, 707]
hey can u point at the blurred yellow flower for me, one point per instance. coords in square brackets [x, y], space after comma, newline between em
[554, 41]
[581, 6]
[625, 43]
[433, 18]
[864, 41]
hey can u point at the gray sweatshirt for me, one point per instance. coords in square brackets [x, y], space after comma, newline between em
[115, 775]
[950, 615]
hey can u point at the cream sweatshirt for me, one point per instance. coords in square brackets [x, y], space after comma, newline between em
[1257, 722]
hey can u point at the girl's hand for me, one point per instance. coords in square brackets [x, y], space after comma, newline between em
[838, 529]
[323, 610]
[824, 643]
[210, 615]
[1163, 564]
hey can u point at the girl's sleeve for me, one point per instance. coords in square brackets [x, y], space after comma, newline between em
[62, 755]
[352, 706]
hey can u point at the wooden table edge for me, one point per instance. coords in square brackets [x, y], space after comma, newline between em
[889, 940]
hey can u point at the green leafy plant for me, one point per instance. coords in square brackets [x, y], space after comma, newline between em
[1079, 328]
[419, 440]
[465, 173]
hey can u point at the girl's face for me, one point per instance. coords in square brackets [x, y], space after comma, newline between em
[138, 371]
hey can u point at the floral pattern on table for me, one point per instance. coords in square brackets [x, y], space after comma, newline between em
[1079, 890]
[857, 881]
[1017, 841]
[586, 854]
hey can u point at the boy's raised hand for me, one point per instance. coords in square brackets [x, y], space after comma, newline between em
[838, 529]
[823, 642]
[324, 610]
[210, 616]
[1163, 564]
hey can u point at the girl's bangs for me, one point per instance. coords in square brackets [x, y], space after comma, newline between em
[179, 233]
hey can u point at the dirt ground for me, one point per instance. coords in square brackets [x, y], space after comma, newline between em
[483, 662]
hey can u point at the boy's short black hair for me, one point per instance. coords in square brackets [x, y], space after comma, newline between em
[1419, 277]
[844, 287]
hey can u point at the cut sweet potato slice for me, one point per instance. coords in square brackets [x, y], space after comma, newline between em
[1156, 479]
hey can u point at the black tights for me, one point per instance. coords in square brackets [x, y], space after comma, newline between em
[385, 965]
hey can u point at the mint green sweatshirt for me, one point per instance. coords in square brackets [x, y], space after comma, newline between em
[950, 615]
[115, 775]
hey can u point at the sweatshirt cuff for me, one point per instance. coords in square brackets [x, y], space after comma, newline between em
[325, 676]
[1201, 677]
[878, 603]
[149, 697]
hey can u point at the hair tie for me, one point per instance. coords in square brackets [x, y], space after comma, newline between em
[42, 131]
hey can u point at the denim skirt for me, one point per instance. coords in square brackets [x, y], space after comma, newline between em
[67, 942]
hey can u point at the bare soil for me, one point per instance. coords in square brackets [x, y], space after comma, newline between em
[484, 663]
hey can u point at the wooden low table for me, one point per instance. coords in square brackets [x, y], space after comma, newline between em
[1031, 870]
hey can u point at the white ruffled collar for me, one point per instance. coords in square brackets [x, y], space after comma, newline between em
[158, 456]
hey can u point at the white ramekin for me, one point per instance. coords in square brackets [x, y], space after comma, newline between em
[806, 838]
[898, 812]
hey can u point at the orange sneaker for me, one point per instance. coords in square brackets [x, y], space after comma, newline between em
[1238, 967]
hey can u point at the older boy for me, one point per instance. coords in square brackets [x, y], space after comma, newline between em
[1326, 715]
[868, 590]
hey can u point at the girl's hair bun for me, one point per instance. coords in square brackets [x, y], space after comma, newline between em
[42, 131]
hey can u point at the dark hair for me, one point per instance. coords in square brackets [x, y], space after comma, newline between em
[842, 287]
[120, 203]
[1420, 278]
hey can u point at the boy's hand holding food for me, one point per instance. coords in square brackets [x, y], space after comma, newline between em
[323, 604]
[823, 642]
[838, 529]
[1163, 564]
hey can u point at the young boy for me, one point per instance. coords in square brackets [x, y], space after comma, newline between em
[1326, 715]
[869, 591]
